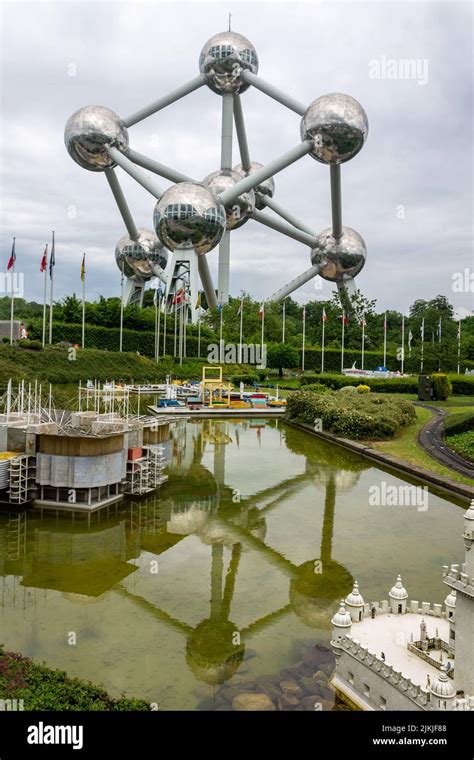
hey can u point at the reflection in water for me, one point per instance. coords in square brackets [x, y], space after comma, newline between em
[236, 494]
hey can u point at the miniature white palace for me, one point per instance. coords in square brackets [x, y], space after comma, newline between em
[403, 655]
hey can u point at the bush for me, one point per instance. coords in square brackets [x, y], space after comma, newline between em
[463, 444]
[463, 385]
[363, 389]
[377, 385]
[32, 345]
[442, 387]
[247, 379]
[459, 423]
[317, 388]
[352, 415]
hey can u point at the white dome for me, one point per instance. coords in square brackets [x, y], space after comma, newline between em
[469, 513]
[450, 600]
[442, 687]
[342, 619]
[398, 591]
[354, 599]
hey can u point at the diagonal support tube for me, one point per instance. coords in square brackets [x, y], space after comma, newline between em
[226, 163]
[137, 174]
[274, 93]
[166, 100]
[336, 202]
[156, 167]
[121, 203]
[254, 179]
[241, 133]
[285, 229]
[271, 203]
[293, 285]
[206, 280]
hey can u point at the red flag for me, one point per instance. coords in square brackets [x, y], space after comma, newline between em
[179, 296]
[44, 260]
[324, 318]
[12, 259]
[344, 318]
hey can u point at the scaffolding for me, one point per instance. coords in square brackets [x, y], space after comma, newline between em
[156, 464]
[22, 478]
[16, 536]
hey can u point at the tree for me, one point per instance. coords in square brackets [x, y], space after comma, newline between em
[281, 355]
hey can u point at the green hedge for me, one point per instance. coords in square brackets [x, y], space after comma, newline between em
[395, 385]
[459, 423]
[373, 359]
[352, 415]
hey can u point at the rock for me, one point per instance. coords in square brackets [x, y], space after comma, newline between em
[229, 692]
[247, 701]
[291, 688]
[268, 686]
[316, 655]
[208, 704]
[289, 674]
[223, 708]
[204, 691]
[327, 668]
[320, 676]
[249, 654]
[309, 685]
[287, 702]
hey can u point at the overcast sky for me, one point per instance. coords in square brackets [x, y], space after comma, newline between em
[408, 192]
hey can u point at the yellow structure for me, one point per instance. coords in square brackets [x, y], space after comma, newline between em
[215, 387]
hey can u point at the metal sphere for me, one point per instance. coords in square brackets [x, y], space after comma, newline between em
[339, 260]
[88, 131]
[267, 187]
[222, 60]
[238, 211]
[189, 215]
[337, 124]
[143, 258]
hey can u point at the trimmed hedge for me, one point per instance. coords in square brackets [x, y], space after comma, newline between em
[373, 359]
[442, 387]
[395, 385]
[459, 423]
[352, 415]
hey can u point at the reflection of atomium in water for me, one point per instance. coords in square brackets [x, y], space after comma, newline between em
[191, 219]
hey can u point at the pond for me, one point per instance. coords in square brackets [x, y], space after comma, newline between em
[226, 575]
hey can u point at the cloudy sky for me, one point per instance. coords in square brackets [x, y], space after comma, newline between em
[408, 192]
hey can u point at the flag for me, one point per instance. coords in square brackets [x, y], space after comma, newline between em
[439, 328]
[198, 301]
[362, 322]
[410, 338]
[44, 260]
[83, 268]
[179, 296]
[261, 311]
[324, 318]
[422, 329]
[240, 308]
[52, 260]
[219, 306]
[304, 313]
[344, 318]
[459, 330]
[157, 295]
[12, 259]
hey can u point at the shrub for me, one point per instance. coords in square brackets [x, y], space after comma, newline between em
[442, 387]
[463, 385]
[32, 345]
[348, 389]
[463, 444]
[459, 423]
[352, 415]
[363, 389]
[317, 388]
[247, 379]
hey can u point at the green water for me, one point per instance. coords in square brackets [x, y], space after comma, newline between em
[156, 591]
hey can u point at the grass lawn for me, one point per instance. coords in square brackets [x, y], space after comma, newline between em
[405, 446]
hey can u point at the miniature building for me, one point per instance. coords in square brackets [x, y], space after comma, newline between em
[403, 655]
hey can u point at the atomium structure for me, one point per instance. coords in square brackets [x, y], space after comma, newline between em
[192, 217]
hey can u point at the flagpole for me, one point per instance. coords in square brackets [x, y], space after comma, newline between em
[403, 343]
[363, 342]
[164, 327]
[83, 300]
[175, 321]
[52, 262]
[322, 340]
[304, 337]
[459, 346]
[422, 344]
[342, 341]
[384, 340]
[158, 328]
[12, 305]
[121, 309]
[199, 334]
[241, 328]
[44, 297]
[157, 333]
[263, 330]
[284, 319]
[439, 344]
[221, 346]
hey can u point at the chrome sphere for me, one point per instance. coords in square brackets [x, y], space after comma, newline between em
[267, 187]
[239, 211]
[222, 60]
[88, 131]
[189, 215]
[337, 124]
[339, 260]
[143, 258]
